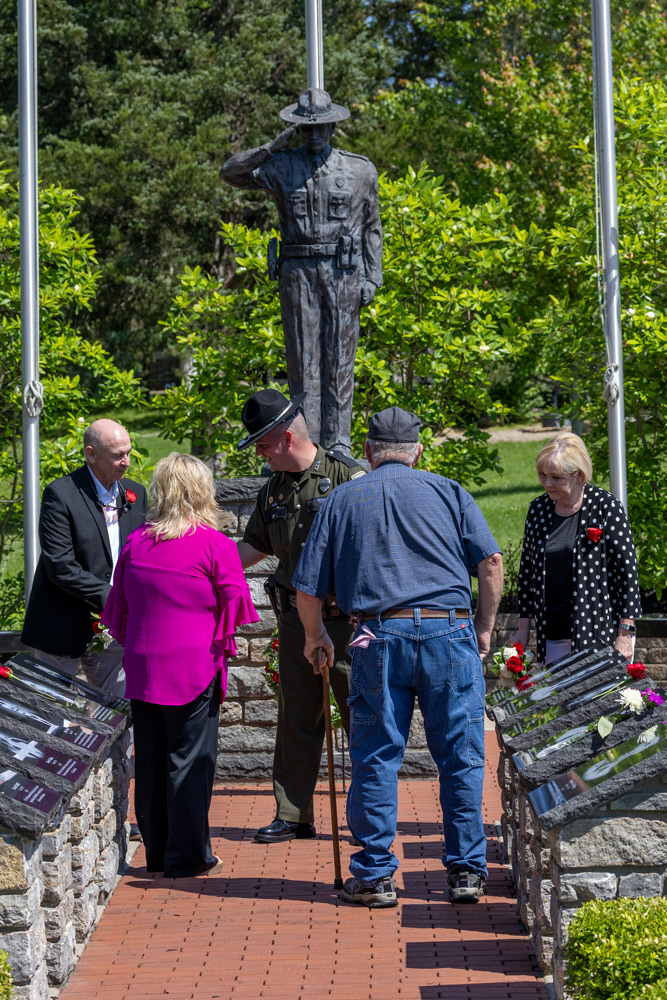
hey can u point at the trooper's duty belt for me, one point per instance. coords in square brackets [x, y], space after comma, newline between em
[283, 599]
[308, 249]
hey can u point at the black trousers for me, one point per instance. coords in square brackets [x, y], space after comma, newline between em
[175, 748]
[300, 730]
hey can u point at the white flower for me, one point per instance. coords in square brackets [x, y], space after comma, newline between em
[650, 315]
[648, 735]
[631, 312]
[373, 311]
[483, 348]
[76, 288]
[509, 651]
[529, 656]
[632, 699]
[504, 672]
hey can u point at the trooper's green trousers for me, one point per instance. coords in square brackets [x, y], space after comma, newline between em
[300, 732]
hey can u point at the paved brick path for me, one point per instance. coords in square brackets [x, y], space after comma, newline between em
[272, 926]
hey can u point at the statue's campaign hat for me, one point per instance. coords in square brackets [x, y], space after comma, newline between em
[395, 425]
[265, 410]
[314, 107]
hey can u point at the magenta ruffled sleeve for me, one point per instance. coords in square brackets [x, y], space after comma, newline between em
[114, 615]
[234, 602]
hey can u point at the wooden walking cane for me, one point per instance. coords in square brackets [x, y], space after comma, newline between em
[324, 668]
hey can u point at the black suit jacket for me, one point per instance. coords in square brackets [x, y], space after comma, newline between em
[74, 568]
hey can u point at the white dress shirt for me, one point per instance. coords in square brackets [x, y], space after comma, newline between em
[109, 499]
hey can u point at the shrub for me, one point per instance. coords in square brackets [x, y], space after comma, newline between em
[6, 990]
[615, 948]
[657, 991]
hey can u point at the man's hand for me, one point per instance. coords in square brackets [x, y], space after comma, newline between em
[368, 290]
[318, 648]
[484, 642]
[281, 140]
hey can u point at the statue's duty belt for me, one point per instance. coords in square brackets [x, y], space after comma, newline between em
[308, 249]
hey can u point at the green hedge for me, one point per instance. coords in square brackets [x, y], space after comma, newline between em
[658, 991]
[6, 990]
[616, 948]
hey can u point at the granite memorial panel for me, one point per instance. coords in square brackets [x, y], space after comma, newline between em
[581, 676]
[77, 684]
[20, 677]
[25, 719]
[540, 677]
[26, 806]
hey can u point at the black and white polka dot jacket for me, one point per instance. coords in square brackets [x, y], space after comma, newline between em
[604, 572]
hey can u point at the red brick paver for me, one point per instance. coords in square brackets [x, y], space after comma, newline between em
[271, 924]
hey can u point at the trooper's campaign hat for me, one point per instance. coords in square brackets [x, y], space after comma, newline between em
[265, 410]
[395, 425]
[314, 107]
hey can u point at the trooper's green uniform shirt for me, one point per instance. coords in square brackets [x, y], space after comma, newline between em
[286, 507]
[287, 504]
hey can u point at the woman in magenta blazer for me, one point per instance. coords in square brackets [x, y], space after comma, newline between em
[178, 595]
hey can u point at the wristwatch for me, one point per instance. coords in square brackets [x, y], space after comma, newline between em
[627, 628]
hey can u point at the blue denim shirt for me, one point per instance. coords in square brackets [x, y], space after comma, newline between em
[396, 538]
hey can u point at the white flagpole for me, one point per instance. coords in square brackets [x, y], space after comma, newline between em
[606, 150]
[29, 234]
[314, 47]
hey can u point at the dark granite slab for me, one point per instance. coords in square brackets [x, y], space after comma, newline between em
[67, 697]
[575, 665]
[27, 807]
[540, 677]
[62, 771]
[536, 772]
[575, 711]
[82, 687]
[564, 686]
[241, 490]
[602, 779]
[60, 702]
[50, 727]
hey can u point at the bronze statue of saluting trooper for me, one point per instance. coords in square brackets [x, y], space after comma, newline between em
[330, 259]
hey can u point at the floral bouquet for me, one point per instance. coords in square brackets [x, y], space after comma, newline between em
[632, 702]
[272, 674]
[511, 664]
[102, 637]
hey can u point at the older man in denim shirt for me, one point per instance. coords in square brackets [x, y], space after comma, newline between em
[398, 547]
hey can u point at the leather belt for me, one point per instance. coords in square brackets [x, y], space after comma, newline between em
[308, 249]
[365, 616]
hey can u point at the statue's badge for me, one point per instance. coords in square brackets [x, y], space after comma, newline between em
[340, 182]
[324, 485]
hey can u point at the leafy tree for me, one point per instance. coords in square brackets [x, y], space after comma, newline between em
[444, 317]
[570, 326]
[79, 378]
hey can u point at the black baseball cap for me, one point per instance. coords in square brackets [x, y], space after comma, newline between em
[265, 410]
[395, 425]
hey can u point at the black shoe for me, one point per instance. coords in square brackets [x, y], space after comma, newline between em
[282, 829]
[135, 832]
[466, 887]
[379, 893]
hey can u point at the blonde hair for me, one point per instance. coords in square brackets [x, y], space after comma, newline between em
[182, 496]
[565, 454]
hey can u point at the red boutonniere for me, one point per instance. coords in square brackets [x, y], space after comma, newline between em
[131, 496]
[637, 670]
[595, 534]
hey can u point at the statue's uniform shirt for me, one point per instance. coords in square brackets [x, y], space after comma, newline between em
[286, 507]
[322, 198]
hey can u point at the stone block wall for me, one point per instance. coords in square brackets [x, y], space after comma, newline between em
[619, 849]
[50, 888]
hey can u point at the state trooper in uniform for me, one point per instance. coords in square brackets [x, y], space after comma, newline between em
[330, 260]
[304, 475]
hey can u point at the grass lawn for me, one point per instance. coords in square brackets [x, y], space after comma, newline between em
[504, 498]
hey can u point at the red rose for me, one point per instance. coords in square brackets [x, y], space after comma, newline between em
[637, 670]
[131, 496]
[5, 671]
[97, 627]
[274, 645]
[524, 683]
[275, 678]
[519, 648]
[595, 534]
[514, 664]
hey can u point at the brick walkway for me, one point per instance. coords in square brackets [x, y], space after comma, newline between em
[272, 926]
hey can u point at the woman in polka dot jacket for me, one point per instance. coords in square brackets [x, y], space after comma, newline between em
[578, 575]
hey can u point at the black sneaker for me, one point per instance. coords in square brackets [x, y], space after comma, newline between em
[466, 887]
[379, 893]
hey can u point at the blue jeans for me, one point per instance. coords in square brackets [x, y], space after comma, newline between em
[437, 659]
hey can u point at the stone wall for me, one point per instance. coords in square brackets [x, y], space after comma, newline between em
[51, 887]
